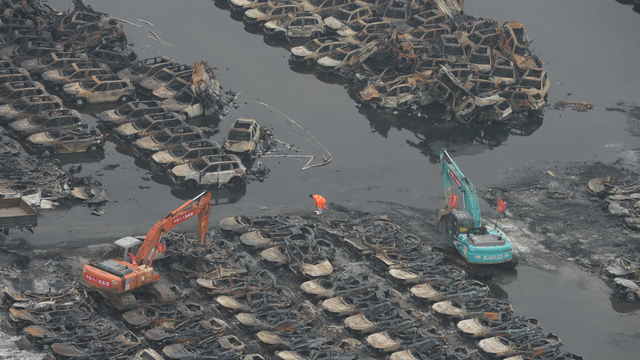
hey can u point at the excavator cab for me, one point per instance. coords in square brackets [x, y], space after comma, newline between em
[121, 249]
[459, 223]
[125, 246]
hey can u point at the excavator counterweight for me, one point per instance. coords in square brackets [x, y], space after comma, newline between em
[117, 277]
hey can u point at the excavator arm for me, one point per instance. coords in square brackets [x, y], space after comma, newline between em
[173, 219]
[451, 173]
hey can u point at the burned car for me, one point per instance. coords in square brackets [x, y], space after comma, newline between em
[13, 91]
[627, 289]
[360, 24]
[163, 139]
[514, 44]
[34, 50]
[164, 76]
[10, 42]
[149, 123]
[171, 88]
[74, 72]
[298, 25]
[407, 92]
[117, 57]
[521, 99]
[427, 18]
[146, 68]
[345, 15]
[210, 170]
[337, 58]
[52, 61]
[269, 12]
[324, 8]
[128, 112]
[66, 141]
[243, 137]
[622, 267]
[47, 120]
[14, 74]
[244, 5]
[97, 34]
[29, 106]
[185, 152]
[100, 89]
[315, 49]
[187, 103]
[71, 22]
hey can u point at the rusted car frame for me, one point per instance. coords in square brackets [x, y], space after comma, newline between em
[146, 68]
[66, 141]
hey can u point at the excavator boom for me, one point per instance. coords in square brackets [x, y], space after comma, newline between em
[451, 171]
[173, 219]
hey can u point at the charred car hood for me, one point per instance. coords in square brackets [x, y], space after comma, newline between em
[22, 125]
[51, 75]
[39, 138]
[127, 129]
[163, 157]
[73, 88]
[150, 83]
[301, 51]
[148, 144]
[108, 115]
[183, 170]
[237, 146]
[333, 23]
[345, 31]
[253, 13]
[172, 105]
[329, 62]
[29, 64]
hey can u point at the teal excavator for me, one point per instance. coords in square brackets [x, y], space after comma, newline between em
[479, 247]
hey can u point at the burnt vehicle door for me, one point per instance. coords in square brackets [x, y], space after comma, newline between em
[65, 144]
[210, 174]
[296, 28]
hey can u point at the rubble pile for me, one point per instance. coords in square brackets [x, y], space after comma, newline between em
[622, 199]
[387, 296]
[83, 57]
[406, 55]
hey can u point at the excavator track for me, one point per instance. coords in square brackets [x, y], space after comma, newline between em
[452, 256]
[122, 301]
[161, 291]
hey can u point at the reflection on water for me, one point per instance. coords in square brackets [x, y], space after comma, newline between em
[432, 132]
[219, 196]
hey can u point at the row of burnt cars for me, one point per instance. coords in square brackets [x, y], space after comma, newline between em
[408, 54]
[356, 289]
[102, 69]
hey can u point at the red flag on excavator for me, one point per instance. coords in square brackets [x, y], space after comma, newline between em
[161, 247]
[453, 201]
[501, 205]
[134, 261]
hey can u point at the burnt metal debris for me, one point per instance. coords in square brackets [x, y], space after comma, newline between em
[83, 57]
[406, 55]
[234, 303]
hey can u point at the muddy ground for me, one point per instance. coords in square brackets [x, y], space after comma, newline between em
[551, 213]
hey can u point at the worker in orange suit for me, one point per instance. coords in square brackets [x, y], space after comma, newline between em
[320, 201]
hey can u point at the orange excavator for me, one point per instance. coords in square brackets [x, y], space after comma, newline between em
[117, 277]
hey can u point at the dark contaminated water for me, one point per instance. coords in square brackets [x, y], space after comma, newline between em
[590, 48]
